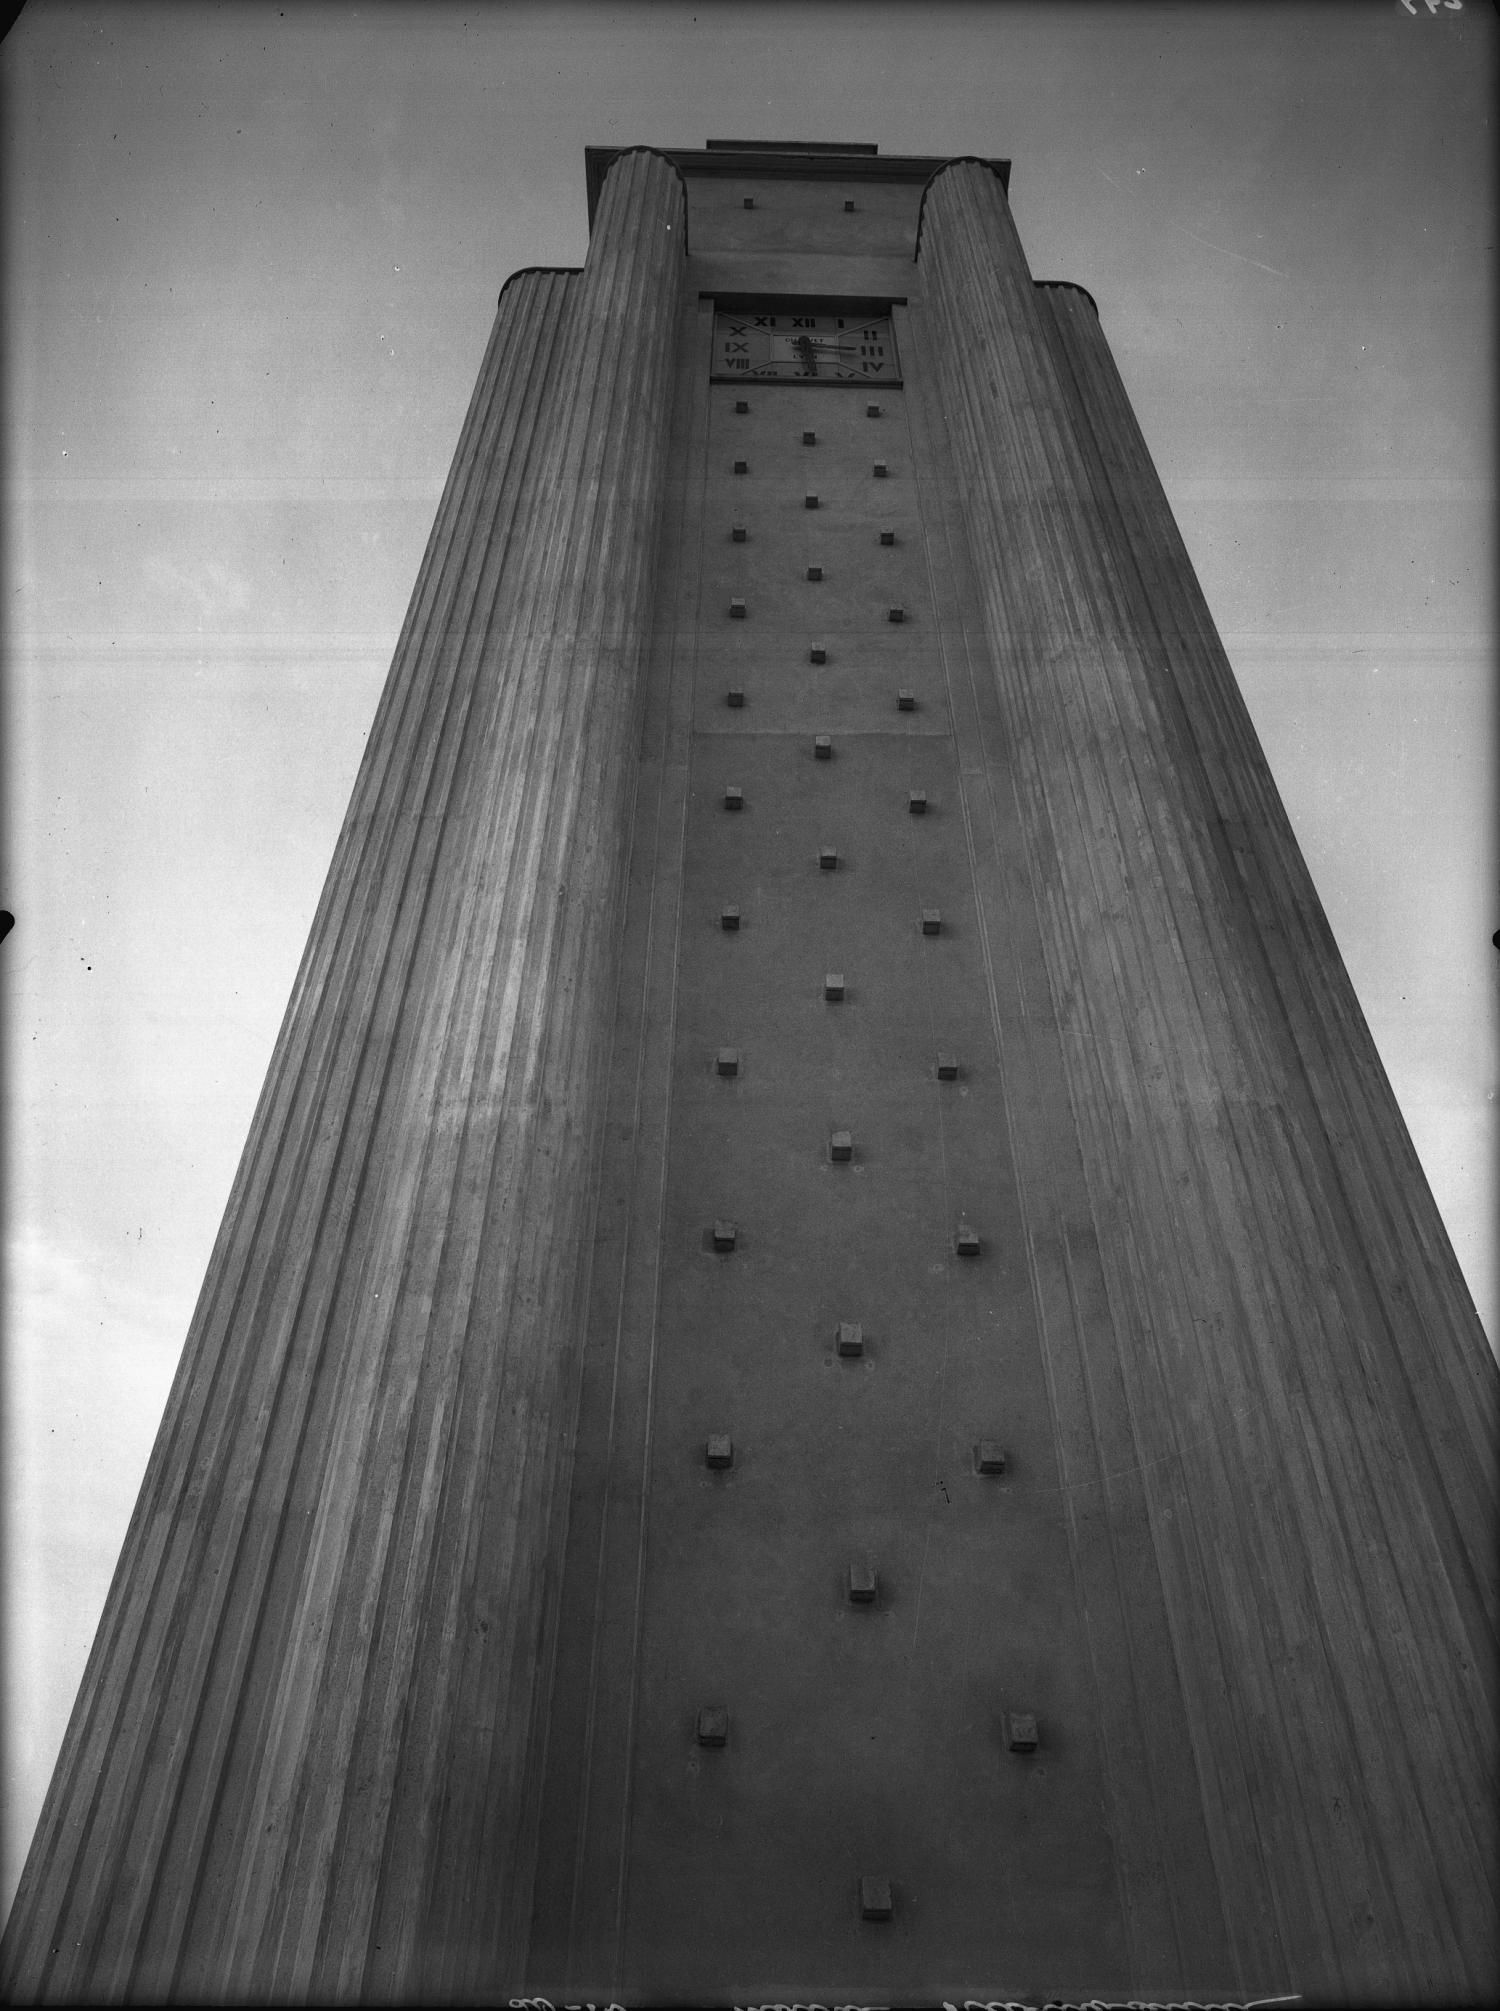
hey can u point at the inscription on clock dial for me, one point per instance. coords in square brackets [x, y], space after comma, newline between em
[835, 348]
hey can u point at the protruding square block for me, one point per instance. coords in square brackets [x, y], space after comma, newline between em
[833, 985]
[809, 438]
[851, 1338]
[817, 654]
[875, 1899]
[713, 1725]
[742, 467]
[828, 859]
[989, 1456]
[906, 701]
[742, 404]
[725, 1235]
[809, 502]
[1020, 1732]
[888, 537]
[718, 1451]
[932, 921]
[897, 614]
[848, 208]
[749, 202]
[872, 411]
[728, 1061]
[737, 531]
[966, 1239]
[734, 798]
[881, 469]
[823, 746]
[737, 610]
[947, 1067]
[841, 1146]
[815, 572]
[863, 1582]
[916, 802]
[729, 918]
[734, 698]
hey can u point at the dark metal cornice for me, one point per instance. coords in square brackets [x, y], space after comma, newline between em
[791, 147]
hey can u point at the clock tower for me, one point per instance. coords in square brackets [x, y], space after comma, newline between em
[830, 1375]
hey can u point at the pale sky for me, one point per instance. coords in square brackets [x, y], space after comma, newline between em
[251, 261]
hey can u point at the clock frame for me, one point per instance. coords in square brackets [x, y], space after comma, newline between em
[804, 345]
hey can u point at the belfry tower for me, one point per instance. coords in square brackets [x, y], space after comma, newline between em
[829, 1373]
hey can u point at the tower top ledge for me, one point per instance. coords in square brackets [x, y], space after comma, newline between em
[781, 160]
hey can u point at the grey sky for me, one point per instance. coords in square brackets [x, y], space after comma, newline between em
[253, 254]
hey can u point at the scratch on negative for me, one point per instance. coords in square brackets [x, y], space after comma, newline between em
[1142, 1466]
[916, 1626]
[1244, 259]
[1274, 270]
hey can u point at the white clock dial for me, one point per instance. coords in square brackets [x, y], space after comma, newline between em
[835, 348]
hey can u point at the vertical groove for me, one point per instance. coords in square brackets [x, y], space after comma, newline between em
[1324, 1048]
[364, 1441]
[139, 1628]
[1315, 1598]
[1037, 619]
[1173, 1909]
[1322, 1012]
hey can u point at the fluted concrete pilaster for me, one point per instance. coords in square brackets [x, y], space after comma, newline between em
[303, 1760]
[1308, 1395]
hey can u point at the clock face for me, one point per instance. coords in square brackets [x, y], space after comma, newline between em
[836, 348]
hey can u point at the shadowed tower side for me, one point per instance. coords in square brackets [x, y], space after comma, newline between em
[302, 1758]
